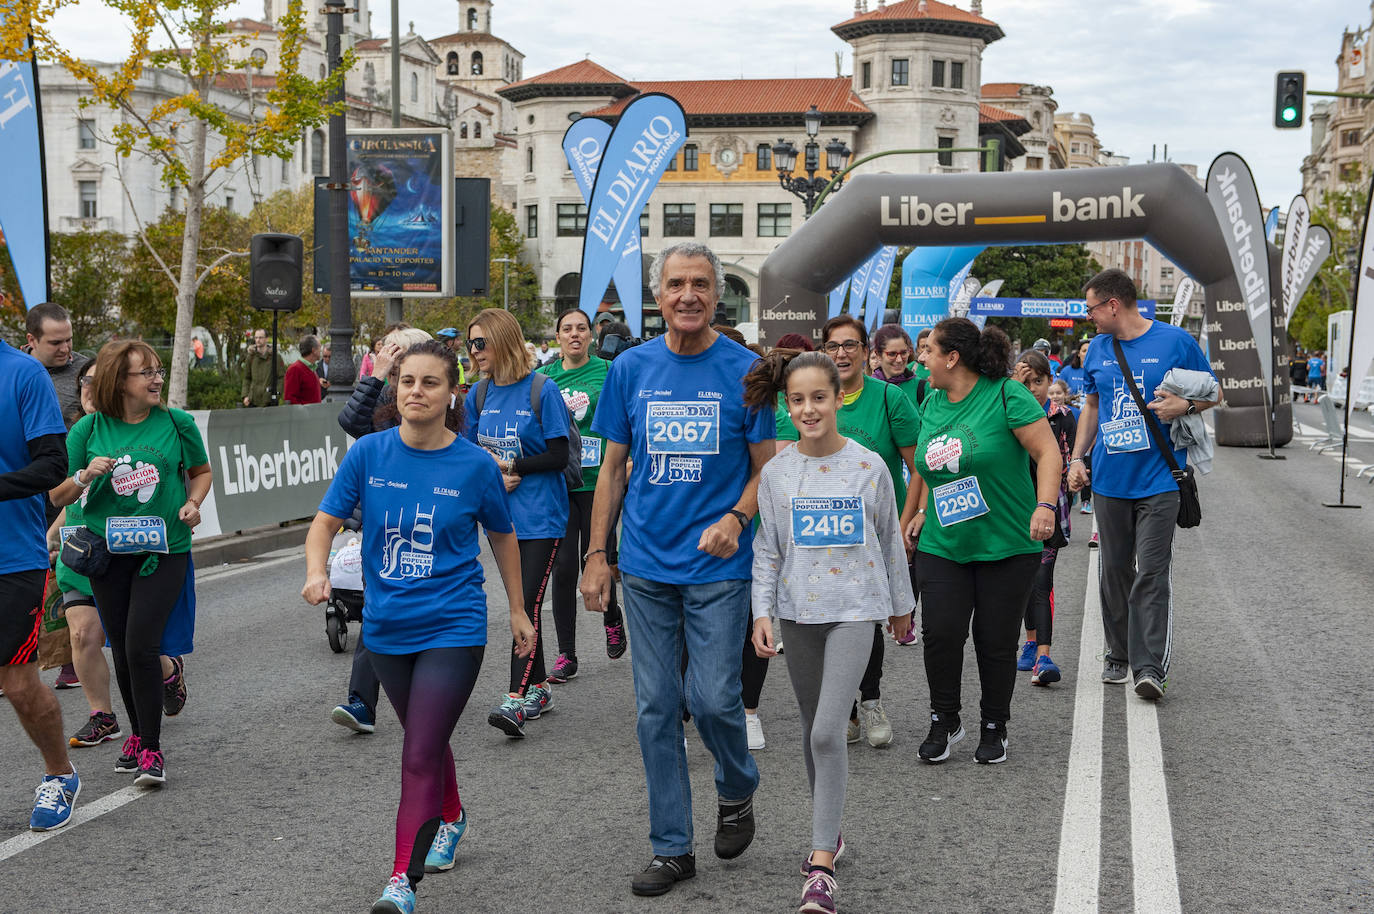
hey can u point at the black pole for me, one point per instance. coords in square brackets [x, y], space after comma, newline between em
[1350, 353]
[394, 305]
[272, 388]
[341, 372]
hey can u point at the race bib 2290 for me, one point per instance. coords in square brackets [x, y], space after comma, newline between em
[958, 501]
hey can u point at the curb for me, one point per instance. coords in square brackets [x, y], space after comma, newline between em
[247, 544]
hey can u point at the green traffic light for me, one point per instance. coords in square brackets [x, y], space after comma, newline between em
[1289, 114]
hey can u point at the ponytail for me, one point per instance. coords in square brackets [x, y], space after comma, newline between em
[986, 352]
[768, 377]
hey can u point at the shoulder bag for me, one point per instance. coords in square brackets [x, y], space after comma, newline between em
[1189, 506]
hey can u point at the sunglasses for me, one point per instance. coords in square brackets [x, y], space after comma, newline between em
[477, 344]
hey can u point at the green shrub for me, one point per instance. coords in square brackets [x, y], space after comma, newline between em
[208, 389]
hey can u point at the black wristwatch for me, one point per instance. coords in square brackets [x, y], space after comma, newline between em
[742, 518]
[1192, 409]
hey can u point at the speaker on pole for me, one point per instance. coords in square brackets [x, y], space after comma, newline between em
[274, 276]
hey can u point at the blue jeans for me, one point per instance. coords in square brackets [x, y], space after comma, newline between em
[707, 620]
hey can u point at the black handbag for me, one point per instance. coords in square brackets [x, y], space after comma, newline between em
[1189, 505]
[86, 553]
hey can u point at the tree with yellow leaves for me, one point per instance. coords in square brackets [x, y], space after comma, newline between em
[193, 40]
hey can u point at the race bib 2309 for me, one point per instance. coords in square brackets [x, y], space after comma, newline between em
[128, 535]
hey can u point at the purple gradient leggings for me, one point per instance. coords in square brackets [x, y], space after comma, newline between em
[429, 691]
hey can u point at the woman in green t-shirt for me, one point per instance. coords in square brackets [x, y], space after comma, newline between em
[579, 375]
[976, 559]
[128, 457]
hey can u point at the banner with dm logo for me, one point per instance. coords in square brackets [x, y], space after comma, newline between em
[1231, 191]
[583, 144]
[879, 281]
[650, 131]
[1362, 321]
[24, 204]
[1316, 247]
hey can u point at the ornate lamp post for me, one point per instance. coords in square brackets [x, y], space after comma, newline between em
[785, 159]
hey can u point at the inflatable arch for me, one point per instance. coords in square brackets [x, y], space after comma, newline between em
[1160, 203]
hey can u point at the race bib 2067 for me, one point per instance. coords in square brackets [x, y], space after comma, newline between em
[682, 427]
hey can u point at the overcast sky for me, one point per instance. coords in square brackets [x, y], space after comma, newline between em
[1197, 75]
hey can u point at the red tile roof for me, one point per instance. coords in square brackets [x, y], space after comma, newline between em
[583, 72]
[988, 113]
[919, 16]
[1002, 90]
[920, 9]
[830, 95]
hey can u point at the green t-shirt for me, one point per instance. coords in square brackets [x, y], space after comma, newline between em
[973, 440]
[910, 388]
[880, 419]
[147, 477]
[920, 370]
[581, 389]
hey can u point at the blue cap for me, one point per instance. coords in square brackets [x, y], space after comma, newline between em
[448, 333]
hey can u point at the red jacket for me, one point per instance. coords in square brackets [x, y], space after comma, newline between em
[302, 384]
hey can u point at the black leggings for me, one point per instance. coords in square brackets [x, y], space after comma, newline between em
[134, 611]
[568, 566]
[1040, 606]
[752, 671]
[537, 559]
[870, 687]
[992, 595]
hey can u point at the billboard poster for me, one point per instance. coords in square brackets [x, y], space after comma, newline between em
[400, 203]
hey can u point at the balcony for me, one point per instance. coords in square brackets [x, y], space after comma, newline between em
[87, 224]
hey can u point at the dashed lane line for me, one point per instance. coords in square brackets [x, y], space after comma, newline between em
[1155, 882]
[83, 813]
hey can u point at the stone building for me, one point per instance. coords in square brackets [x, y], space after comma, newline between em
[1342, 151]
[1036, 106]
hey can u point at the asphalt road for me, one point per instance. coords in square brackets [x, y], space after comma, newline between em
[1247, 789]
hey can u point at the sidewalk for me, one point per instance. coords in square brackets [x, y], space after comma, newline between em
[247, 544]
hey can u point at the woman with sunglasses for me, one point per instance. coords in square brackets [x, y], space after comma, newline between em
[144, 473]
[531, 451]
[882, 419]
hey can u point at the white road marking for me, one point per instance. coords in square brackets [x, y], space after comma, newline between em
[1152, 834]
[84, 813]
[1080, 833]
[221, 572]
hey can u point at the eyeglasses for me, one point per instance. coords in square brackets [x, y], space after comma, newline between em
[902, 354]
[849, 346]
[148, 373]
[87, 380]
[477, 343]
[1092, 308]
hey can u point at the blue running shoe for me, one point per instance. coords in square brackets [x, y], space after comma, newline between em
[440, 856]
[538, 699]
[1026, 661]
[355, 716]
[509, 716]
[399, 897]
[54, 800]
[1045, 671]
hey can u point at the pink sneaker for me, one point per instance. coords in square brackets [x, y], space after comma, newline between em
[818, 894]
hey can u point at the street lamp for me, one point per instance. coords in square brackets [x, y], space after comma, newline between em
[785, 159]
[505, 280]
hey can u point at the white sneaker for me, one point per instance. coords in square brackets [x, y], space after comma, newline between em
[875, 722]
[851, 733]
[753, 727]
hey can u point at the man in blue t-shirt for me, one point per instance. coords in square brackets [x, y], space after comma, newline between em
[1316, 371]
[1135, 496]
[675, 407]
[33, 459]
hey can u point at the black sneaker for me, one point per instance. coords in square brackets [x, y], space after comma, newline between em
[945, 731]
[992, 744]
[174, 689]
[734, 829]
[662, 872]
[101, 726]
[127, 763]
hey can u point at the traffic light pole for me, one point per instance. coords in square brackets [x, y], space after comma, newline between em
[1365, 95]
[341, 371]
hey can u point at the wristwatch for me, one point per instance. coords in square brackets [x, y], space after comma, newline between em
[1192, 409]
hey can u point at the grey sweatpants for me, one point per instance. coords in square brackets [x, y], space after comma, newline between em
[1135, 578]
[825, 663]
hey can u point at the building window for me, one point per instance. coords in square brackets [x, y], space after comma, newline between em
[956, 74]
[529, 159]
[472, 19]
[1073, 148]
[532, 221]
[572, 220]
[85, 134]
[86, 192]
[901, 72]
[229, 202]
[689, 157]
[451, 64]
[463, 130]
[1348, 137]
[727, 220]
[763, 158]
[644, 222]
[1350, 171]
[679, 220]
[672, 164]
[285, 170]
[946, 158]
[317, 152]
[323, 71]
[775, 220]
[1034, 163]
[937, 73]
[476, 63]
[477, 130]
[414, 87]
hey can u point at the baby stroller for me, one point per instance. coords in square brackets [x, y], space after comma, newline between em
[345, 585]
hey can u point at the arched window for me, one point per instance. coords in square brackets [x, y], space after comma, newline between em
[323, 72]
[566, 291]
[317, 152]
[451, 64]
[736, 298]
[476, 63]
[369, 74]
[463, 130]
[477, 130]
[414, 87]
[472, 19]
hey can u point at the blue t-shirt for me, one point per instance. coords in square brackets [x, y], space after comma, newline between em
[1316, 367]
[420, 515]
[1126, 463]
[688, 431]
[33, 412]
[1074, 378]
[507, 426]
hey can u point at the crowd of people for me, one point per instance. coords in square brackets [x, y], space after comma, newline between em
[715, 503]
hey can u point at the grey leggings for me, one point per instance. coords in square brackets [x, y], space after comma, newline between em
[825, 663]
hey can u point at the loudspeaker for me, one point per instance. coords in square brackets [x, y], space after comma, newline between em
[274, 279]
[471, 235]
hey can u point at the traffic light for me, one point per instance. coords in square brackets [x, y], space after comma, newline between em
[1289, 89]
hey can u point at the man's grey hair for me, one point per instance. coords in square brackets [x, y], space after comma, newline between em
[686, 249]
[308, 346]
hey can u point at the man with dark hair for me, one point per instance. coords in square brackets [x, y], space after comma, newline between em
[302, 383]
[257, 372]
[1135, 496]
[49, 334]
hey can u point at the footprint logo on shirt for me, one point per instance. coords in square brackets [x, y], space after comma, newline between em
[944, 452]
[134, 477]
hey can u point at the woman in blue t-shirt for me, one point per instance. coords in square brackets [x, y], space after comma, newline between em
[423, 491]
[525, 430]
